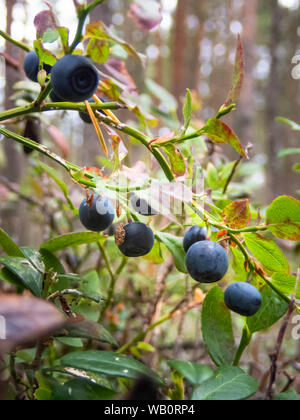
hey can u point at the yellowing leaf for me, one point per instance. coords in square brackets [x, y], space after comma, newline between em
[237, 214]
[219, 132]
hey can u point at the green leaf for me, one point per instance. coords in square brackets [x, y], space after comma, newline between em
[288, 152]
[212, 177]
[8, 245]
[74, 390]
[99, 31]
[35, 258]
[286, 284]
[70, 240]
[30, 278]
[82, 390]
[175, 246]
[193, 372]
[283, 218]
[238, 264]
[296, 167]
[162, 94]
[51, 35]
[228, 384]
[290, 395]
[267, 252]
[53, 174]
[219, 132]
[292, 124]
[44, 55]
[155, 256]
[90, 330]
[51, 262]
[90, 286]
[272, 309]
[237, 214]
[217, 328]
[64, 36]
[71, 342]
[98, 50]
[110, 364]
[187, 111]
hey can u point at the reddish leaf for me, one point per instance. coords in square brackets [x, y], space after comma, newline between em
[219, 132]
[92, 169]
[237, 214]
[26, 320]
[43, 21]
[137, 174]
[60, 140]
[117, 69]
[239, 74]
[146, 13]
[162, 139]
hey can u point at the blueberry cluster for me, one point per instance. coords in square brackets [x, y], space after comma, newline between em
[207, 262]
[134, 240]
[73, 77]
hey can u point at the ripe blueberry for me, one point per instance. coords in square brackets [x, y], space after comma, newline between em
[141, 206]
[33, 132]
[54, 97]
[97, 216]
[74, 78]
[243, 299]
[193, 235]
[135, 239]
[207, 262]
[31, 66]
[84, 114]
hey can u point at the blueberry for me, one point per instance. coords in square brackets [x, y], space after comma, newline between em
[97, 216]
[243, 299]
[54, 97]
[193, 235]
[33, 132]
[141, 206]
[74, 78]
[31, 66]
[135, 239]
[207, 262]
[84, 114]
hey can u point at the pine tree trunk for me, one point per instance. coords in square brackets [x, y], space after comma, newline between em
[273, 106]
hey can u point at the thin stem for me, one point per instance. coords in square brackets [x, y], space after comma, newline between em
[82, 15]
[113, 278]
[35, 146]
[16, 43]
[55, 106]
[130, 131]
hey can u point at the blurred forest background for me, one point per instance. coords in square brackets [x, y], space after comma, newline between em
[194, 47]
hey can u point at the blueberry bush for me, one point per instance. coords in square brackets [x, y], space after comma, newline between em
[92, 312]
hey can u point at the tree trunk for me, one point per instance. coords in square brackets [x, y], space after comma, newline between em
[246, 105]
[13, 218]
[273, 106]
[13, 169]
[178, 50]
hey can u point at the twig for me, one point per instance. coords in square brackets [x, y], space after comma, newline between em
[275, 356]
[16, 43]
[160, 284]
[291, 380]
[232, 174]
[113, 278]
